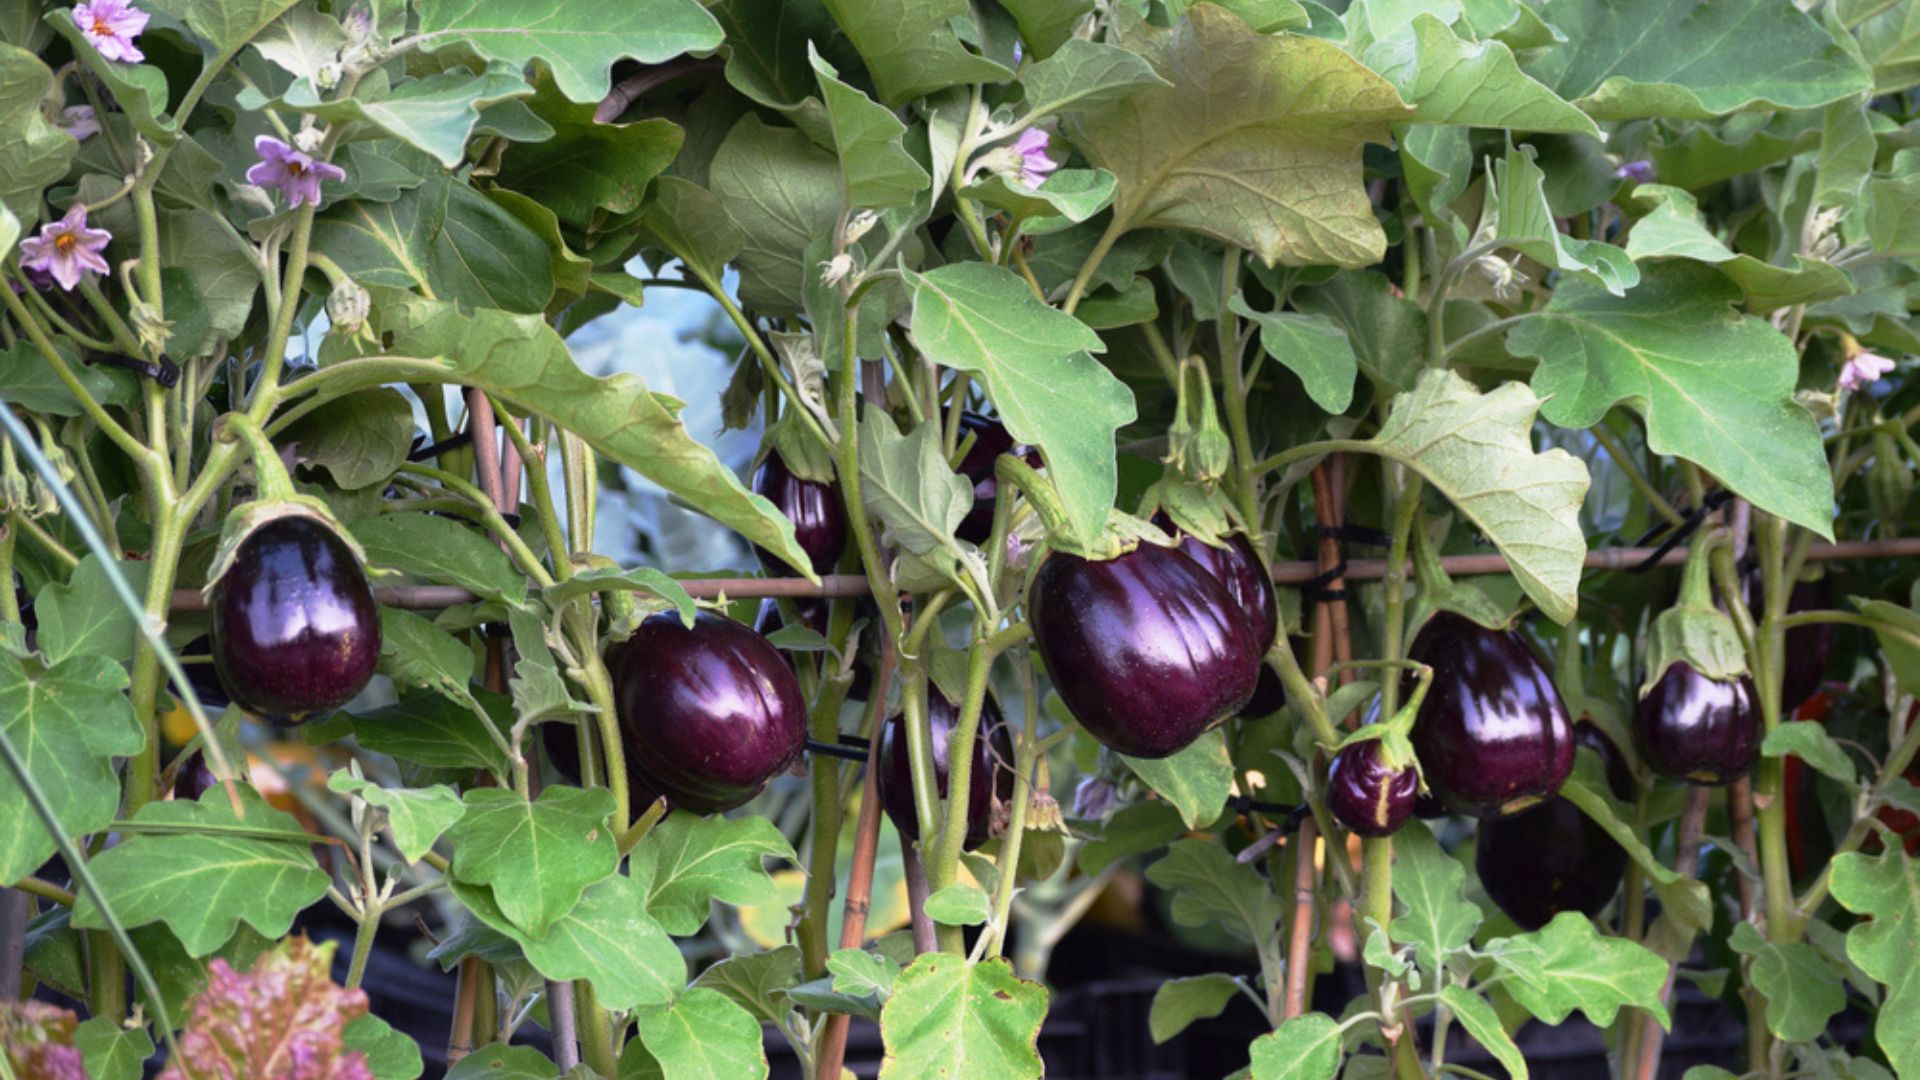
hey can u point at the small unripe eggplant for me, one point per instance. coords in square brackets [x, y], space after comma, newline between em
[992, 776]
[1554, 857]
[1366, 794]
[1492, 735]
[1696, 729]
[818, 515]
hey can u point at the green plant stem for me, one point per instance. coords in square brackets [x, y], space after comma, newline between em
[1406, 515]
[539, 490]
[44, 540]
[1311, 450]
[1631, 470]
[1026, 756]
[1115, 229]
[490, 515]
[1245, 488]
[823, 772]
[111, 428]
[1376, 906]
[282, 329]
[363, 942]
[769, 364]
[598, 683]
[597, 1046]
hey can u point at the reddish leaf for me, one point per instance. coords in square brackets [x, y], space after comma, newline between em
[281, 1021]
[37, 1040]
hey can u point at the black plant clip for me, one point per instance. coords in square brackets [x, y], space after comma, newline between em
[166, 373]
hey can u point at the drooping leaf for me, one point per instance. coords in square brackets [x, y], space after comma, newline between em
[689, 221]
[911, 492]
[1567, 965]
[1801, 991]
[1047, 25]
[113, 1052]
[1306, 1047]
[1683, 899]
[1887, 888]
[1313, 347]
[1180, 1002]
[780, 191]
[536, 856]
[1673, 229]
[435, 114]
[1196, 781]
[221, 266]
[1388, 332]
[416, 653]
[1476, 449]
[206, 879]
[68, 723]
[588, 170]
[427, 729]
[606, 938]
[875, 169]
[1209, 887]
[444, 240]
[1478, 1017]
[1809, 741]
[1034, 361]
[1517, 212]
[416, 816]
[579, 42]
[37, 152]
[1439, 921]
[1478, 84]
[1284, 116]
[1714, 386]
[949, 1017]
[758, 982]
[283, 1017]
[360, 439]
[1133, 830]
[910, 46]
[687, 861]
[1083, 74]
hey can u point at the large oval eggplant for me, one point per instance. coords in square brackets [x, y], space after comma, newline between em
[992, 775]
[818, 515]
[1492, 735]
[1366, 795]
[1554, 858]
[1237, 567]
[1146, 649]
[813, 615]
[709, 713]
[1696, 729]
[295, 628]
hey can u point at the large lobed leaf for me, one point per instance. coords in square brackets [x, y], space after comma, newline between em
[686, 862]
[444, 240]
[37, 152]
[1887, 889]
[1196, 781]
[948, 1017]
[1438, 920]
[67, 723]
[579, 41]
[536, 856]
[1566, 965]
[607, 938]
[1211, 888]
[910, 46]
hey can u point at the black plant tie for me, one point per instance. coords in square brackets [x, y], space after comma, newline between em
[840, 749]
[166, 373]
[451, 442]
[1292, 814]
[1356, 534]
[1316, 587]
[1679, 533]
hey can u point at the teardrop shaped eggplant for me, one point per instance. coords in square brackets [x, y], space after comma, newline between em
[1366, 795]
[1553, 857]
[1696, 729]
[1146, 649]
[1492, 735]
[992, 775]
[709, 714]
[813, 616]
[819, 517]
[295, 628]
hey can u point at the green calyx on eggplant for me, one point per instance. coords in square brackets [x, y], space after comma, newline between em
[1493, 736]
[1147, 650]
[1553, 857]
[1368, 793]
[991, 779]
[814, 506]
[1691, 728]
[708, 713]
[295, 628]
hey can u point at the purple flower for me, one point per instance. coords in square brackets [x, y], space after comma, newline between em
[1640, 172]
[1862, 369]
[66, 249]
[1035, 165]
[79, 121]
[295, 174]
[110, 27]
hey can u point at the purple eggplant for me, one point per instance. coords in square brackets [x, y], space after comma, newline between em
[1696, 729]
[1238, 567]
[192, 778]
[1807, 647]
[295, 628]
[1147, 650]
[819, 517]
[1368, 796]
[1492, 735]
[709, 714]
[1554, 857]
[992, 776]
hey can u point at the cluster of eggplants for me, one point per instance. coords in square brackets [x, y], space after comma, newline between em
[295, 628]
[1696, 729]
[1553, 857]
[992, 776]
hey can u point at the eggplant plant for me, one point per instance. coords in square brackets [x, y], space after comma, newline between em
[1417, 492]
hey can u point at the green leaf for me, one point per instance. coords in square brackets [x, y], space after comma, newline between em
[1808, 740]
[1476, 449]
[1197, 780]
[427, 729]
[1134, 830]
[1902, 656]
[1388, 332]
[360, 439]
[910, 46]
[1714, 386]
[580, 43]
[435, 114]
[949, 1017]
[689, 221]
[1888, 889]
[1180, 1002]
[1477, 84]
[1889, 42]
[416, 816]
[1567, 965]
[758, 982]
[644, 579]
[876, 172]
[416, 653]
[85, 615]
[523, 362]
[916, 497]
[1034, 361]
[302, 42]
[226, 24]
[1673, 229]
[780, 191]
[1073, 194]
[606, 938]
[588, 169]
[1517, 212]
[68, 723]
[1047, 25]
[391, 1055]
[202, 883]
[1682, 898]
[113, 1052]
[139, 89]
[27, 380]
[1306, 1047]
[687, 861]
[537, 856]
[1439, 921]
[37, 152]
[959, 904]
[440, 550]
[221, 266]
[1637, 58]
[1802, 992]
[1847, 151]
[1083, 74]
[444, 240]
[1209, 886]
[1284, 116]
[857, 971]
[1313, 347]
[499, 1061]
[1481, 1022]
[704, 1036]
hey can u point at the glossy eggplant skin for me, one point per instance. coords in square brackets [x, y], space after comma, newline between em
[1237, 567]
[1554, 858]
[1492, 735]
[819, 517]
[205, 680]
[295, 628]
[1146, 649]
[709, 714]
[813, 616]
[1696, 729]
[192, 779]
[990, 440]
[1365, 795]
[992, 775]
